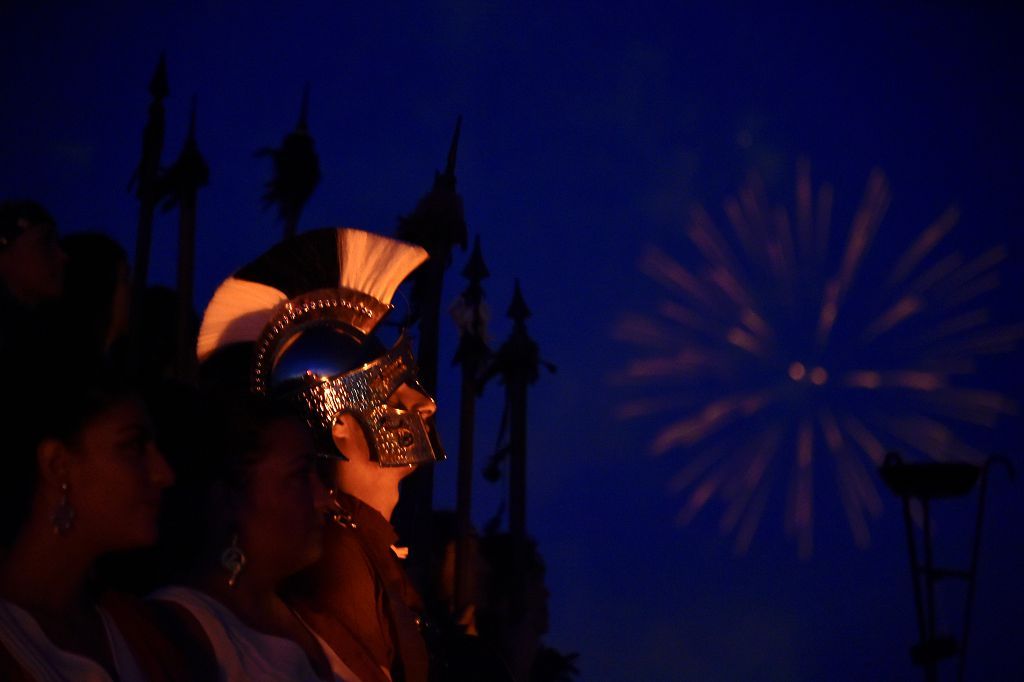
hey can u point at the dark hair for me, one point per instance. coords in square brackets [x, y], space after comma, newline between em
[231, 437]
[212, 439]
[46, 395]
[90, 282]
[14, 211]
[157, 332]
[227, 369]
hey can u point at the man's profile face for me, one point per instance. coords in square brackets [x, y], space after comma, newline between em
[32, 264]
[350, 435]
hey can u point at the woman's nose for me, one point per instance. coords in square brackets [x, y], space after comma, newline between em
[161, 472]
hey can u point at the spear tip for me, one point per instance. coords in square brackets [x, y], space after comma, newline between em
[158, 87]
[192, 119]
[518, 310]
[475, 269]
[453, 150]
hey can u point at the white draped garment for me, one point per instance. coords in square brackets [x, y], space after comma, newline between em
[21, 635]
[245, 654]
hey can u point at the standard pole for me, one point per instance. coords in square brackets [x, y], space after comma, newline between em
[184, 352]
[517, 455]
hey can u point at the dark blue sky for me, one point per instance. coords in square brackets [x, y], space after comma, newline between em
[588, 131]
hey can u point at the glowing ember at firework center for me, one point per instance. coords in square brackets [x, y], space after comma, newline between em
[817, 376]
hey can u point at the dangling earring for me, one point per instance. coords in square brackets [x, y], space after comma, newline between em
[233, 560]
[63, 517]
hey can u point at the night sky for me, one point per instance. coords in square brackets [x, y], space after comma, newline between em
[589, 130]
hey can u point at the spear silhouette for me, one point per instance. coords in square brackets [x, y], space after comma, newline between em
[472, 353]
[437, 224]
[517, 362]
[182, 182]
[146, 181]
[296, 172]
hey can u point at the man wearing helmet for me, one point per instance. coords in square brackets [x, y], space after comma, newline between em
[309, 308]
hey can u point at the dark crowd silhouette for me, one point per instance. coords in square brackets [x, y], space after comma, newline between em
[229, 515]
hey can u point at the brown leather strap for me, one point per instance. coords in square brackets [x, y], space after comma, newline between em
[411, 664]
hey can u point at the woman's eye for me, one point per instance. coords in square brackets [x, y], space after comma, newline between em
[134, 447]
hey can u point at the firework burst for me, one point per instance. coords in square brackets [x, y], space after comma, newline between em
[779, 352]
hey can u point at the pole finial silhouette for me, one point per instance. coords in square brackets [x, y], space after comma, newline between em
[517, 362]
[182, 182]
[518, 310]
[437, 224]
[158, 86]
[148, 185]
[296, 171]
[472, 355]
[453, 150]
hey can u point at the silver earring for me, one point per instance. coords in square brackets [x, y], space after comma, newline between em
[63, 517]
[233, 560]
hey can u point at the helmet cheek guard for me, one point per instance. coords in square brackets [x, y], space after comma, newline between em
[396, 435]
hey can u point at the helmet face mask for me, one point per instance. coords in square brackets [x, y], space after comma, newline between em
[396, 435]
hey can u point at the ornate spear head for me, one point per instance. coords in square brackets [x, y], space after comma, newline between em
[146, 177]
[519, 356]
[189, 172]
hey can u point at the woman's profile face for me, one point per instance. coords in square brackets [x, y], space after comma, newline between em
[282, 516]
[32, 266]
[116, 476]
